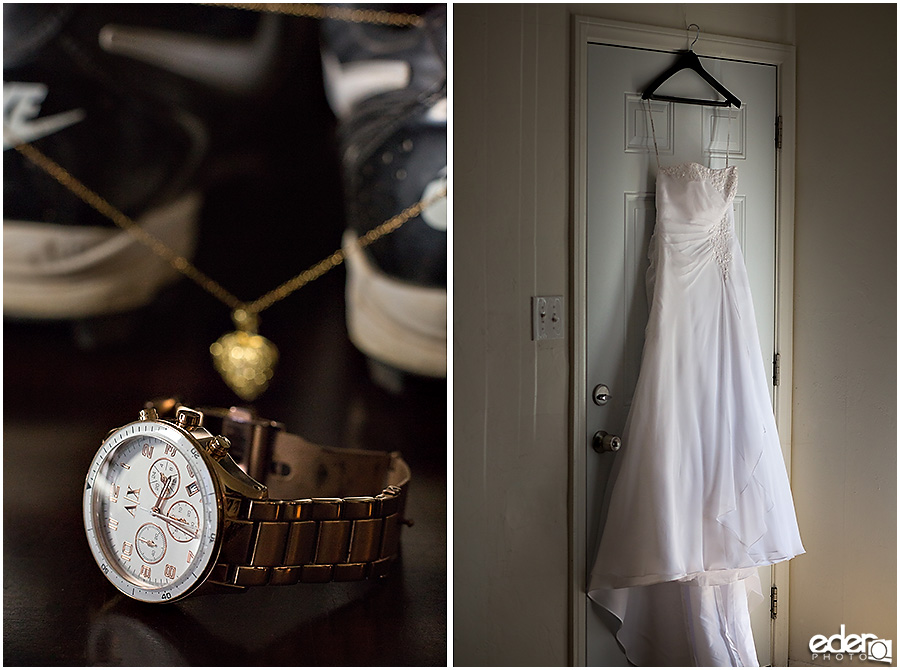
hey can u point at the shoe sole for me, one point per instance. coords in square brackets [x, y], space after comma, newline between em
[54, 271]
[394, 322]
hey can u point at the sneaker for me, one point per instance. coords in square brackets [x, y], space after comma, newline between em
[387, 87]
[124, 97]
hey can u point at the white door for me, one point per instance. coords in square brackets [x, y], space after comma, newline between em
[621, 168]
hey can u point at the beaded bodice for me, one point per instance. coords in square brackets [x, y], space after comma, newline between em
[724, 180]
[696, 200]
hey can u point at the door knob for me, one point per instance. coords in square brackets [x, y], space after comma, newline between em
[603, 442]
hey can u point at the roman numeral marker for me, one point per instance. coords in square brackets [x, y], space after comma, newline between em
[130, 509]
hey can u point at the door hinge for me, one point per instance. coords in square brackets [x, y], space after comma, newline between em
[778, 132]
[776, 370]
[774, 602]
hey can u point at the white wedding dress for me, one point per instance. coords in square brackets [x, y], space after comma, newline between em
[699, 494]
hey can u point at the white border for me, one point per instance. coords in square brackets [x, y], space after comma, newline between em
[585, 31]
[450, 338]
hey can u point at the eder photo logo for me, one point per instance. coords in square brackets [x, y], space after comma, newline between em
[865, 647]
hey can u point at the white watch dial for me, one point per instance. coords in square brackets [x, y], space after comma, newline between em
[151, 511]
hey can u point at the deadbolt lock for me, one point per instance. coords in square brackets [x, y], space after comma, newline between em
[601, 394]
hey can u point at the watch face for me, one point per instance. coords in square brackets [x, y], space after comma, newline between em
[151, 511]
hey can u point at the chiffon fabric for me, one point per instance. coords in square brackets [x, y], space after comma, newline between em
[699, 495]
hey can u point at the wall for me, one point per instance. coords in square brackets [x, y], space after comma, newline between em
[511, 183]
[510, 415]
[845, 319]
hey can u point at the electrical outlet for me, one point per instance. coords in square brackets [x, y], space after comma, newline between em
[547, 317]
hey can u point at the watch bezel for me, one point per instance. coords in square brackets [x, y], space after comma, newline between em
[192, 449]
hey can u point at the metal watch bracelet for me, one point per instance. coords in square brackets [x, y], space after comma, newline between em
[317, 524]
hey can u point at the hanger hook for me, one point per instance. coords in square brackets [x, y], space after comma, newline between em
[691, 48]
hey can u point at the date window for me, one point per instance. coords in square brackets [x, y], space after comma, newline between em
[192, 488]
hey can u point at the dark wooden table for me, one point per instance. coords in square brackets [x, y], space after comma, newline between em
[58, 608]
[66, 385]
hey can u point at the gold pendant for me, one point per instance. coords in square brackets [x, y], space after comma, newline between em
[245, 359]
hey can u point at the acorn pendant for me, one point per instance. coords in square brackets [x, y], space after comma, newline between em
[245, 359]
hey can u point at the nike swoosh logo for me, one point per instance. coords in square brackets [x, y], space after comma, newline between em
[21, 104]
[233, 65]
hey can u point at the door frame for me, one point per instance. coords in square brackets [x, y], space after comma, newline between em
[587, 31]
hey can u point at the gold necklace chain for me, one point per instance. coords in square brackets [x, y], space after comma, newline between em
[244, 358]
[312, 11]
[188, 269]
[243, 311]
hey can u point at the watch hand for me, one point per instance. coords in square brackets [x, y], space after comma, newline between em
[147, 542]
[175, 521]
[183, 527]
[162, 494]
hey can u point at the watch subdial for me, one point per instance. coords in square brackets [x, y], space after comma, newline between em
[150, 542]
[183, 521]
[163, 478]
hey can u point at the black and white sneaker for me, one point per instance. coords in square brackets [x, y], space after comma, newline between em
[123, 96]
[388, 89]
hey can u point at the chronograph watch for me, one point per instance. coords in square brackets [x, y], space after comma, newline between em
[221, 499]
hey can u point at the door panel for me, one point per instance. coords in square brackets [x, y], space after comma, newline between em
[621, 168]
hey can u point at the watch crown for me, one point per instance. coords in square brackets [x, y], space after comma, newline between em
[188, 418]
[218, 446]
[149, 414]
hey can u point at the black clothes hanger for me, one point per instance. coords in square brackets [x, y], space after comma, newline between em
[688, 60]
